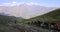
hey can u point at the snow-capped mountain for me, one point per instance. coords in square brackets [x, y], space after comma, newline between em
[24, 10]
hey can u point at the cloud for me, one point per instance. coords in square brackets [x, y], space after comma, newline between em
[14, 2]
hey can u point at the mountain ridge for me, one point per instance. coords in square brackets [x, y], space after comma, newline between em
[25, 10]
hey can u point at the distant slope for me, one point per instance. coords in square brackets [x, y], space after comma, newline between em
[5, 19]
[49, 17]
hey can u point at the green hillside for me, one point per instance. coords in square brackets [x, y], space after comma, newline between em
[49, 17]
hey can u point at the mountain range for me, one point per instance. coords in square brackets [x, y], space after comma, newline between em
[25, 11]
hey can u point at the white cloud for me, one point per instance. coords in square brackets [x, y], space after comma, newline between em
[14, 2]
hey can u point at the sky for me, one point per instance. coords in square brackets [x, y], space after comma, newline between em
[48, 3]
